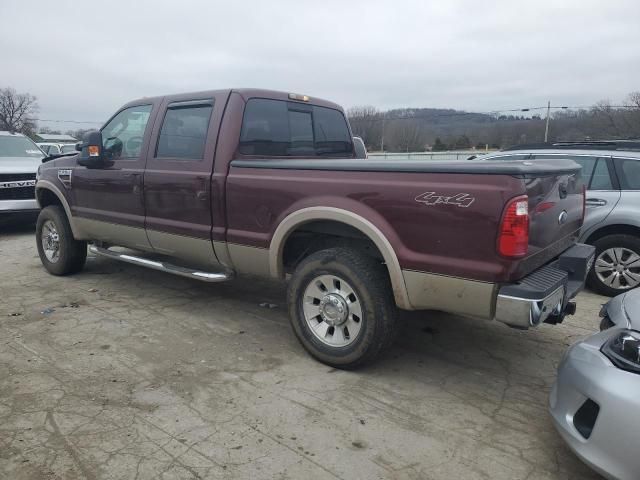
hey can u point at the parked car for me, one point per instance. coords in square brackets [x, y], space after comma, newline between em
[612, 222]
[68, 148]
[50, 148]
[595, 402]
[19, 161]
[213, 184]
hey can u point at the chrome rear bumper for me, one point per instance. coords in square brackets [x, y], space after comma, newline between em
[544, 294]
[526, 312]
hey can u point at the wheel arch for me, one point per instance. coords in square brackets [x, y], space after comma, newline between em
[49, 194]
[299, 218]
[615, 229]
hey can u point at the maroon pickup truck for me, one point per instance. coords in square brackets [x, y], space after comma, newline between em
[213, 184]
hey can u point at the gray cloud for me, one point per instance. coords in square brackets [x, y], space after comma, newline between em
[84, 59]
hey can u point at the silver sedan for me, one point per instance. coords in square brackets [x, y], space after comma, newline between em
[595, 402]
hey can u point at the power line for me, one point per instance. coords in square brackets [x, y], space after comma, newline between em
[66, 121]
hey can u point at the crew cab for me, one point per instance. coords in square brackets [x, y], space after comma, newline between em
[221, 183]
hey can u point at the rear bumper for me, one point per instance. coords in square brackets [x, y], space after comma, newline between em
[543, 295]
[8, 206]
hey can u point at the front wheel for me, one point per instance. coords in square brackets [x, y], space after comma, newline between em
[341, 307]
[60, 253]
[617, 265]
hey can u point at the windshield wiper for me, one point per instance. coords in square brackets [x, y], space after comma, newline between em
[58, 155]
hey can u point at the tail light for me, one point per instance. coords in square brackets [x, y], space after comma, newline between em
[513, 237]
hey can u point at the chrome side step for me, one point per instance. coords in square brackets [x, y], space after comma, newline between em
[162, 266]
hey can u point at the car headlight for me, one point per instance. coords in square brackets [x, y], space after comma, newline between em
[623, 349]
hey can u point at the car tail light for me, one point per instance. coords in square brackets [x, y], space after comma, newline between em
[513, 238]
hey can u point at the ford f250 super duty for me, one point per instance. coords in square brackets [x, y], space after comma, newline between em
[213, 184]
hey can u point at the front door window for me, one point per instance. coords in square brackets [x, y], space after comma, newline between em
[122, 136]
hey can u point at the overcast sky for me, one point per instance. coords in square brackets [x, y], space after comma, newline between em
[83, 59]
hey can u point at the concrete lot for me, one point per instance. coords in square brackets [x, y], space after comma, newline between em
[121, 372]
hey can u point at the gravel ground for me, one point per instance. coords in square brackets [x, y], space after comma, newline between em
[121, 372]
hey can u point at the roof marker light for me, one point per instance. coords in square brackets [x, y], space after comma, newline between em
[296, 96]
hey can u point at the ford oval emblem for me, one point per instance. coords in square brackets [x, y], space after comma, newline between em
[562, 217]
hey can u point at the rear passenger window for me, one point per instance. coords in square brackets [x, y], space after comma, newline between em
[629, 173]
[591, 166]
[601, 180]
[184, 132]
[275, 128]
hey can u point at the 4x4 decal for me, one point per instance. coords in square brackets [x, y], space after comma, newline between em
[459, 199]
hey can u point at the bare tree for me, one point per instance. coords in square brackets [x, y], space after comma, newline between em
[634, 99]
[17, 111]
[366, 122]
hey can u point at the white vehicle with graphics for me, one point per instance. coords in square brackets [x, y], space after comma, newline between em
[20, 158]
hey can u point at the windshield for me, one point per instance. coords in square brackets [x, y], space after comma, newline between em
[15, 146]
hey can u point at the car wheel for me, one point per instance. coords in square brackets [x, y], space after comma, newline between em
[60, 253]
[341, 307]
[617, 265]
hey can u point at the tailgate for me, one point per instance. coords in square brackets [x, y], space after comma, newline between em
[556, 205]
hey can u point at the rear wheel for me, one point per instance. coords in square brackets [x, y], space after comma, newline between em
[617, 265]
[341, 307]
[60, 253]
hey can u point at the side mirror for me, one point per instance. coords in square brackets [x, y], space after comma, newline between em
[359, 147]
[91, 150]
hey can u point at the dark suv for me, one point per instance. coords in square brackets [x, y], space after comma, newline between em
[612, 222]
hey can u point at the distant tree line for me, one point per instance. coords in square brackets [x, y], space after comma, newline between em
[419, 129]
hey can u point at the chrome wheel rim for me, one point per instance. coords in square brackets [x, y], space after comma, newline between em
[618, 268]
[332, 310]
[50, 241]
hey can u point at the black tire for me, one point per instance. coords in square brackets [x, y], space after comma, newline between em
[628, 242]
[72, 253]
[369, 280]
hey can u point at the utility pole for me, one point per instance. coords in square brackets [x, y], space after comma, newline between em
[382, 136]
[546, 128]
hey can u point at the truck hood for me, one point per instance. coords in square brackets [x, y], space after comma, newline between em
[19, 164]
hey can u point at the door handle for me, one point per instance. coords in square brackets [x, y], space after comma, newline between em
[595, 202]
[201, 195]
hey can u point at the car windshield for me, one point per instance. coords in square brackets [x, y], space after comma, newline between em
[69, 148]
[15, 146]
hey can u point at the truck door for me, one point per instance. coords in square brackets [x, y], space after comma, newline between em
[177, 179]
[108, 202]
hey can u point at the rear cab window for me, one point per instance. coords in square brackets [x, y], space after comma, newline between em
[278, 128]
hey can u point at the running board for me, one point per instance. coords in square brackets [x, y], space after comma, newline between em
[162, 266]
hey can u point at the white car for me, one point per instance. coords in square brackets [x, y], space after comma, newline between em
[595, 402]
[20, 158]
[50, 148]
